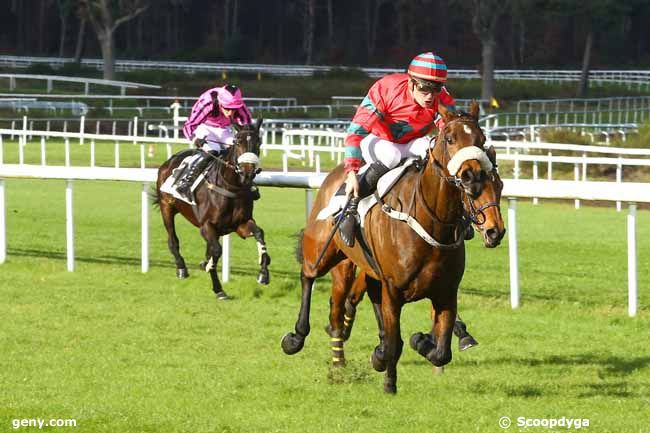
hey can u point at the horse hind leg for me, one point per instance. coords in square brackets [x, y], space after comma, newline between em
[168, 213]
[342, 279]
[293, 342]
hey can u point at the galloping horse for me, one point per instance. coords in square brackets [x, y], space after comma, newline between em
[347, 291]
[224, 204]
[407, 266]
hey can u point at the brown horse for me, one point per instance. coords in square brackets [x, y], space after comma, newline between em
[409, 266]
[348, 291]
[224, 204]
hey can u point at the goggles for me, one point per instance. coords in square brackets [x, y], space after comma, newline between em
[425, 86]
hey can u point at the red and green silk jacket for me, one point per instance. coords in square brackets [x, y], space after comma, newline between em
[390, 112]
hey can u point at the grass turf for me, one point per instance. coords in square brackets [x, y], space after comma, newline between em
[122, 351]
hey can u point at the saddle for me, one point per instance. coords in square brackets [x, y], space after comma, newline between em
[169, 186]
[385, 184]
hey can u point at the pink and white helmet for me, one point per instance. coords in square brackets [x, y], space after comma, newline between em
[229, 97]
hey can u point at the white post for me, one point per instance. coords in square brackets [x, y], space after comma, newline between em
[3, 224]
[117, 154]
[632, 292]
[69, 225]
[225, 259]
[92, 152]
[82, 126]
[619, 179]
[535, 174]
[145, 227]
[576, 177]
[512, 251]
[22, 142]
[43, 159]
[175, 107]
[67, 151]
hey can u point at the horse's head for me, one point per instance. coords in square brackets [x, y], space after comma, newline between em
[459, 149]
[245, 151]
[484, 211]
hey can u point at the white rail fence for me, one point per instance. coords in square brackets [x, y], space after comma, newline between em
[632, 193]
[86, 82]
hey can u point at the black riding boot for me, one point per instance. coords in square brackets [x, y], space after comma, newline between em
[184, 184]
[367, 185]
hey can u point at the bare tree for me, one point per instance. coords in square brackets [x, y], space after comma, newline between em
[65, 8]
[486, 14]
[310, 23]
[106, 16]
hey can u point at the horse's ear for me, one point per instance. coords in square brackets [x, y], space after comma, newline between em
[492, 155]
[474, 109]
[445, 113]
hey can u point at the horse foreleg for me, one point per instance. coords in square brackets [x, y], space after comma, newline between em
[443, 325]
[168, 214]
[342, 278]
[465, 339]
[391, 309]
[250, 228]
[214, 252]
[294, 342]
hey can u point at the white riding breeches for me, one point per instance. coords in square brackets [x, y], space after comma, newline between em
[216, 138]
[390, 154]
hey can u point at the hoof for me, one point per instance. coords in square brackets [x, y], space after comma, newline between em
[263, 278]
[292, 344]
[377, 359]
[415, 340]
[466, 342]
[438, 370]
[182, 273]
[328, 330]
[203, 264]
[338, 364]
[390, 388]
[222, 296]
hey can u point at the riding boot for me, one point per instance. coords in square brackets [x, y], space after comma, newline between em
[367, 185]
[184, 184]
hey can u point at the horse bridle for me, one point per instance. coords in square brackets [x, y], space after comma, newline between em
[473, 212]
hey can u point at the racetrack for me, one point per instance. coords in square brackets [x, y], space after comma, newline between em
[122, 351]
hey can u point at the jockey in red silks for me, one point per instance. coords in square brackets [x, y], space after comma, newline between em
[391, 124]
[209, 127]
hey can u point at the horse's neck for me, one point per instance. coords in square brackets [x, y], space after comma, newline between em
[440, 197]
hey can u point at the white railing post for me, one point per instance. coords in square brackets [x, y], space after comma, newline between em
[512, 252]
[144, 199]
[225, 259]
[619, 179]
[82, 127]
[69, 226]
[632, 291]
[3, 223]
[43, 158]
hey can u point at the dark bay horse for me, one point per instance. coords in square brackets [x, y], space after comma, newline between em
[224, 204]
[406, 267]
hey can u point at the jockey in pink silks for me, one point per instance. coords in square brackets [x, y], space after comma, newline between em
[210, 127]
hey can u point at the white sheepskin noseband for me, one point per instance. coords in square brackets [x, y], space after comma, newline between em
[248, 158]
[467, 154]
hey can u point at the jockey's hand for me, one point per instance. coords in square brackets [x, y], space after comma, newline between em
[351, 184]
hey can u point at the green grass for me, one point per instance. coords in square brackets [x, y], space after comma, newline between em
[123, 351]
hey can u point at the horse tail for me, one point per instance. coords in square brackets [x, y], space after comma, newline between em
[154, 196]
[299, 254]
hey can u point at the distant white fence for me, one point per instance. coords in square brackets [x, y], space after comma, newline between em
[632, 193]
[86, 82]
[640, 78]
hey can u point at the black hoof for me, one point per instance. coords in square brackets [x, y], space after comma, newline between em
[338, 364]
[263, 278]
[377, 359]
[415, 340]
[390, 388]
[182, 273]
[466, 342]
[203, 264]
[292, 344]
[222, 296]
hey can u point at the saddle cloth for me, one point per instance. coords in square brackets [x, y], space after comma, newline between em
[169, 186]
[384, 185]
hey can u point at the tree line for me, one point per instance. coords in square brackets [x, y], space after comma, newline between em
[483, 34]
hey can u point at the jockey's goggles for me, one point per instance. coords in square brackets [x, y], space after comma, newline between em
[425, 86]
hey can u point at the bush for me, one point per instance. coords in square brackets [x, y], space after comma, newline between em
[560, 135]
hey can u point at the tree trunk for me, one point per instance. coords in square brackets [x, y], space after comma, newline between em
[330, 24]
[583, 86]
[64, 29]
[487, 57]
[78, 51]
[106, 41]
[310, 21]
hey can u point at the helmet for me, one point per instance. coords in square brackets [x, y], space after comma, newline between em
[428, 66]
[229, 97]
